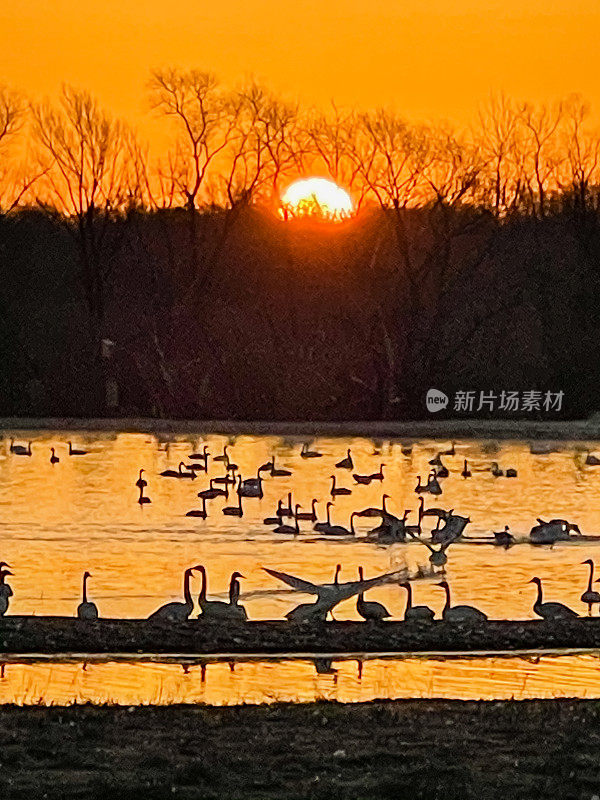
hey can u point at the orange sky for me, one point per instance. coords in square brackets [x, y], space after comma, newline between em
[431, 59]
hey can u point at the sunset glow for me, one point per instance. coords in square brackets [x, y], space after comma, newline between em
[317, 197]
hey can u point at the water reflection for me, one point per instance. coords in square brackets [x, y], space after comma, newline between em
[289, 679]
[58, 520]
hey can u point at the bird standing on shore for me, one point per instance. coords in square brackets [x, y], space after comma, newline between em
[550, 611]
[86, 610]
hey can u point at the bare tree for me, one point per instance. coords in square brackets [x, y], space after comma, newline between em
[540, 143]
[16, 179]
[86, 158]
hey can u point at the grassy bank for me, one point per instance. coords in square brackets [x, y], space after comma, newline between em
[400, 749]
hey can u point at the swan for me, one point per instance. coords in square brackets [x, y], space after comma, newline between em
[437, 557]
[511, 472]
[140, 483]
[5, 592]
[338, 569]
[415, 613]
[74, 452]
[183, 474]
[504, 538]
[370, 611]
[437, 461]
[440, 513]
[235, 511]
[86, 609]
[346, 463]
[212, 492]
[310, 515]
[19, 450]
[275, 473]
[203, 456]
[224, 456]
[142, 499]
[449, 452]
[466, 472]
[372, 511]
[362, 479]
[420, 487]
[322, 526]
[589, 596]
[289, 511]
[252, 487]
[218, 610]
[197, 512]
[468, 614]
[306, 453]
[442, 471]
[550, 532]
[293, 529]
[177, 612]
[452, 530]
[495, 470]
[336, 491]
[433, 486]
[276, 520]
[339, 530]
[330, 594]
[54, 459]
[309, 612]
[550, 611]
[591, 460]
[377, 476]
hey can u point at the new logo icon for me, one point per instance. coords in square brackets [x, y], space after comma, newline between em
[435, 400]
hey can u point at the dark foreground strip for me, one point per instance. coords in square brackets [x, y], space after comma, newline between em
[65, 634]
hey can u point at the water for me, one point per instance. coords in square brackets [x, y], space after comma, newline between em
[299, 679]
[81, 514]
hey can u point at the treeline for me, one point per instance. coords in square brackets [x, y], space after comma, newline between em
[168, 285]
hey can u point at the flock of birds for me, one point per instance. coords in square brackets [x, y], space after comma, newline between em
[448, 529]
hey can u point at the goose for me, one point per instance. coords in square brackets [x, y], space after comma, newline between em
[218, 610]
[276, 520]
[335, 491]
[458, 614]
[377, 476]
[275, 473]
[346, 463]
[5, 591]
[504, 538]
[293, 529]
[19, 450]
[140, 483]
[203, 456]
[54, 459]
[310, 515]
[339, 530]
[321, 526]
[466, 472]
[86, 610]
[213, 492]
[306, 453]
[224, 456]
[591, 460]
[142, 499]
[177, 612]
[197, 512]
[370, 611]
[235, 511]
[415, 613]
[362, 479]
[74, 452]
[589, 596]
[550, 611]
[372, 511]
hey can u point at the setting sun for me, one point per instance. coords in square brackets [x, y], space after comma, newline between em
[316, 197]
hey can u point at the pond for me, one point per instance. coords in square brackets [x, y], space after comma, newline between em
[346, 679]
[58, 520]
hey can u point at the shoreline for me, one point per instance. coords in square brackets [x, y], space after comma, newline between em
[552, 430]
